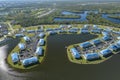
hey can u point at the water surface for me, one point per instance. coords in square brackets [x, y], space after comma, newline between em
[56, 65]
[83, 16]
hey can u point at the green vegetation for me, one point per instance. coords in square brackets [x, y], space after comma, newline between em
[16, 49]
[114, 16]
[68, 16]
[82, 60]
[97, 19]
[70, 57]
[28, 15]
[19, 64]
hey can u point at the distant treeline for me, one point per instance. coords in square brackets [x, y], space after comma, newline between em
[114, 16]
[25, 18]
[92, 18]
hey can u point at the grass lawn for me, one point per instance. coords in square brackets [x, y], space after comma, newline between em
[19, 64]
[41, 58]
[82, 60]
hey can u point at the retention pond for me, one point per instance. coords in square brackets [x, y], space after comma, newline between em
[56, 65]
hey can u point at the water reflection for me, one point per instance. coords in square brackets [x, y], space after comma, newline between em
[106, 16]
[5, 70]
[57, 66]
[83, 16]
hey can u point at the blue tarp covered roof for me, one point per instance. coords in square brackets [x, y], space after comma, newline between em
[15, 57]
[62, 31]
[57, 28]
[84, 31]
[96, 31]
[52, 32]
[95, 26]
[105, 33]
[91, 56]
[21, 46]
[113, 47]
[19, 35]
[85, 26]
[61, 26]
[49, 29]
[96, 41]
[41, 35]
[26, 38]
[116, 32]
[41, 42]
[75, 53]
[39, 51]
[69, 26]
[118, 45]
[40, 30]
[106, 52]
[85, 44]
[106, 38]
[30, 31]
[118, 42]
[107, 30]
[29, 61]
[72, 31]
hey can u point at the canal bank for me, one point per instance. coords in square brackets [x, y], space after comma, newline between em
[83, 16]
[84, 32]
[57, 66]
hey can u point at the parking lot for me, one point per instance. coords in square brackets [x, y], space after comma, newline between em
[30, 49]
[96, 48]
